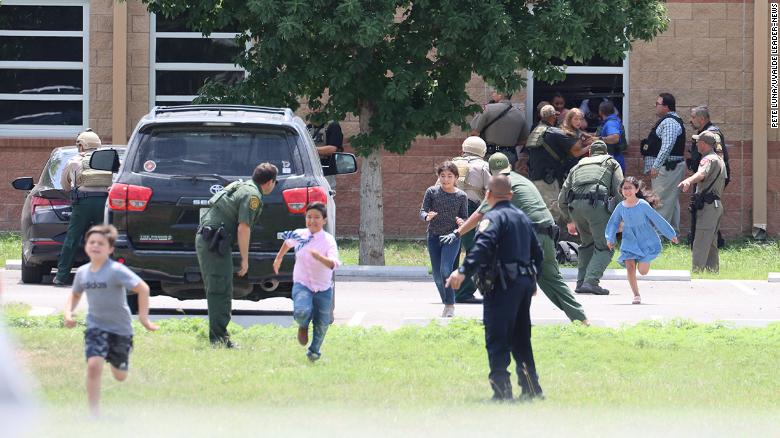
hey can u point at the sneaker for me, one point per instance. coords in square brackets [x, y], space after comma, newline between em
[449, 311]
[588, 288]
[312, 356]
[303, 335]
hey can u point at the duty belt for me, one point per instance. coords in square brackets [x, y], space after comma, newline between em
[590, 197]
[547, 229]
[493, 148]
[78, 194]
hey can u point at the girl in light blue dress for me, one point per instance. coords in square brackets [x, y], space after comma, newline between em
[641, 225]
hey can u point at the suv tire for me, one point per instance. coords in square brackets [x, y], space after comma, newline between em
[31, 274]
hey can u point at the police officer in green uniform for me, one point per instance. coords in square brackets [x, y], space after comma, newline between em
[506, 258]
[584, 202]
[232, 214]
[710, 180]
[526, 197]
[473, 179]
[88, 190]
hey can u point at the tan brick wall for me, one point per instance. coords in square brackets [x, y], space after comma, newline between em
[138, 20]
[705, 58]
[101, 26]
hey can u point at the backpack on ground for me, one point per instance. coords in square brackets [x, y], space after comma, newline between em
[567, 252]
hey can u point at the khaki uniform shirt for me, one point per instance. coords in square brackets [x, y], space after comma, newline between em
[526, 197]
[508, 131]
[71, 175]
[710, 164]
[241, 205]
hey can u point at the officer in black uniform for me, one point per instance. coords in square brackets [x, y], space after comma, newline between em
[506, 258]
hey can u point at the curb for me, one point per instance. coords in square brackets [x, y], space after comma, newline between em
[418, 273]
[774, 277]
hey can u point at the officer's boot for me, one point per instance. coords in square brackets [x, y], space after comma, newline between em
[502, 390]
[529, 384]
[588, 288]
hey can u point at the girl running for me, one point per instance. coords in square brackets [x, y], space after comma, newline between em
[641, 243]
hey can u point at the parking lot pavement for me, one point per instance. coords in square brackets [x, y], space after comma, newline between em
[395, 304]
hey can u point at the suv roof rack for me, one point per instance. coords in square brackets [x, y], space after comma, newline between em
[218, 107]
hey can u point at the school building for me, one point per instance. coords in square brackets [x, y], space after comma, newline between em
[68, 65]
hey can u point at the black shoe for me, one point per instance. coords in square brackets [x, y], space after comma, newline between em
[59, 283]
[469, 300]
[579, 285]
[502, 391]
[588, 288]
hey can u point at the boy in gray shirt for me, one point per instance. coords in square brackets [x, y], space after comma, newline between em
[109, 334]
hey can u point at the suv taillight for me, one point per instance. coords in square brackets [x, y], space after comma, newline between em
[126, 197]
[297, 199]
[39, 203]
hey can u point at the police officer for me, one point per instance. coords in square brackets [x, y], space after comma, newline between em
[232, 215]
[88, 190]
[328, 139]
[527, 198]
[700, 120]
[710, 180]
[545, 164]
[584, 202]
[473, 180]
[664, 151]
[502, 125]
[506, 257]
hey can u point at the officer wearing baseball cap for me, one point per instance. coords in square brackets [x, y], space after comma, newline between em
[706, 206]
[527, 198]
[88, 190]
[584, 202]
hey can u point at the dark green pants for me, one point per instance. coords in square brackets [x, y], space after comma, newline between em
[552, 284]
[85, 213]
[594, 255]
[467, 288]
[217, 274]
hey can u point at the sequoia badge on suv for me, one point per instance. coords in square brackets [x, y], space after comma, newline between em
[177, 158]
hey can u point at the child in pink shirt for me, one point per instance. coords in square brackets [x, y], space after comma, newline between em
[316, 256]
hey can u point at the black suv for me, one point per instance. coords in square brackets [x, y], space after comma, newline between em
[178, 157]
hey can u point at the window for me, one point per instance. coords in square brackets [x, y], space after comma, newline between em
[181, 61]
[585, 83]
[44, 81]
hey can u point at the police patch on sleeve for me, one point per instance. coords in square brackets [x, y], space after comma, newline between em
[254, 203]
[483, 225]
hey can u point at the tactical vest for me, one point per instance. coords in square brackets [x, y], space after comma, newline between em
[464, 167]
[593, 171]
[89, 177]
[544, 162]
[653, 144]
[318, 133]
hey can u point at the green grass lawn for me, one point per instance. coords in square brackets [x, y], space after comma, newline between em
[10, 247]
[740, 259]
[425, 378]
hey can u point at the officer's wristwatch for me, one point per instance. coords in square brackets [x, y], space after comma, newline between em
[462, 270]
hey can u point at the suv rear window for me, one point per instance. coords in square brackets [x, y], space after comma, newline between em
[225, 151]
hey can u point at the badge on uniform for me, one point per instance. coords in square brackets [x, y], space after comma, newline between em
[483, 225]
[254, 203]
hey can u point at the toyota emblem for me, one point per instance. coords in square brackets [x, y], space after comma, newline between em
[216, 188]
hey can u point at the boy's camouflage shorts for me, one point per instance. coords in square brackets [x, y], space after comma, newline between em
[115, 349]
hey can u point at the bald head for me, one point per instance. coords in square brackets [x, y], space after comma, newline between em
[500, 187]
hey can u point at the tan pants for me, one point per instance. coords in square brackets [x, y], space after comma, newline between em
[665, 186]
[550, 195]
[705, 242]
